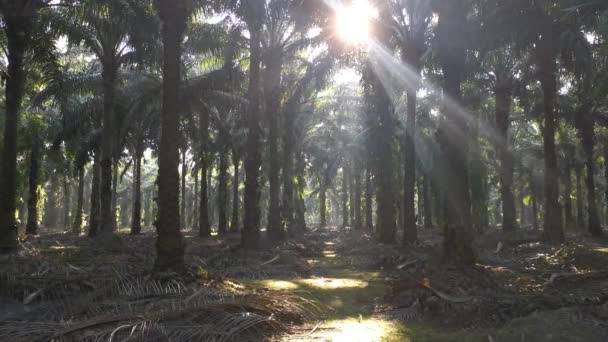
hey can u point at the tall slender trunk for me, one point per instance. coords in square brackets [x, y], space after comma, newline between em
[136, 220]
[272, 89]
[323, 206]
[569, 217]
[357, 200]
[17, 28]
[300, 207]
[606, 179]
[287, 201]
[222, 198]
[204, 225]
[67, 200]
[234, 221]
[369, 223]
[454, 134]
[588, 142]
[345, 180]
[502, 93]
[106, 209]
[77, 225]
[169, 244]
[477, 176]
[553, 232]
[195, 208]
[94, 211]
[410, 231]
[522, 211]
[427, 202]
[251, 223]
[32, 201]
[580, 216]
[182, 214]
[114, 201]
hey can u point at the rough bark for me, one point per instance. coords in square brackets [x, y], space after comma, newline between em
[569, 217]
[451, 30]
[588, 142]
[94, 211]
[234, 221]
[369, 223]
[502, 93]
[77, 224]
[580, 216]
[299, 205]
[427, 202]
[272, 90]
[182, 214]
[136, 218]
[67, 200]
[322, 206]
[357, 200]
[32, 201]
[106, 210]
[345, 213]
[410, 232]
[553, 232]
[17, 27]
[169, 244]
[204, 226]
[253, 160]
[222, 198]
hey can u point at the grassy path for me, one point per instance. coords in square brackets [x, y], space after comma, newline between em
[346, 296]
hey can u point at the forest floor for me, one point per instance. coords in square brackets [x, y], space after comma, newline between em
[326, 285]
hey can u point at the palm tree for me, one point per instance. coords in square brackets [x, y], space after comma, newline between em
[411, 22]
[108, 29]
[451, 31]
[253, 12]
[20, 22]
[170, 245]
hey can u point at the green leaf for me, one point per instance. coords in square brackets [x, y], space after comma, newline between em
[527, 200]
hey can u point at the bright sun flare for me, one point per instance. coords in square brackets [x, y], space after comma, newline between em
[353, 21]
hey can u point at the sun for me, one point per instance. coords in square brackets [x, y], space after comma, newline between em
[353, 22]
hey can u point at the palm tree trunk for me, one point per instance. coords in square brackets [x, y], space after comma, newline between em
[410, 231]
[67, 200]
[114, 196]
[580, 216]
[323, 206]
[32, 201]
[369, 223]
[454, 135]
[427, 202]
[94, 212]
[17, 28]
[357, 200]
[300, 207]
[195, 209]
[251, 223]
[553, 232]
[136, 220]
[287, 202]
[77, 225]
[106, 209]
[503, 109]
[606, 179]
[234, 221]
[169, 244]
[477, 176]
[182, 214]
[272, 86]
[345, 179]
[204, 225]
[569, 218]
[588, 142]
[222, 198]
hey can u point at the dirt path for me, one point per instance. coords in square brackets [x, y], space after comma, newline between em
[346, 293]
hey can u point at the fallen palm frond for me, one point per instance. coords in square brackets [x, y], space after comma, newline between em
[146, 310]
